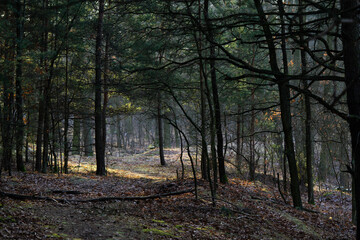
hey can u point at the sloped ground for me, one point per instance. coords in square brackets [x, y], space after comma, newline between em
[244, 210]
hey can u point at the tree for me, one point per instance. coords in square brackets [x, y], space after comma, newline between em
[19, 135]
[350, 33]
[284, 94]
[215, 95]
[99, 140]
[307, 105]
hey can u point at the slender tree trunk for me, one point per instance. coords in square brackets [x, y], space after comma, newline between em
[66, 114]
[47, 102]
[308, 134]
[160, 132]
[99, 145]
[118, 132]
[351, 46]
[215, 94]
[181, 157]
[238, 138]
[54, 148]
[19, 134]
[39, 136]
[167, 135]
[213, 163]
[75, 146]
[252, 138]
[8, 94]
[265, 156]
[106, 94]
[204, 151]
[41, 114]
[46, 128]
[284, 94]
[87, 137]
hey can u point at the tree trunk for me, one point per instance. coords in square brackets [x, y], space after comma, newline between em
[106, 94]
[66, 114]
[46, 128]
[8, 94]
[204, 150]
[99, 145]
[284, 94]
[238, 138]
[167, 135]
[308, 134]
[351, 47]
[87, 137]
[118, 132]
[75, 146]
[19, 135]
[41, 114]
[213, 163]
[265, 157]
[160, 132]
[215, 94]
[252, 138]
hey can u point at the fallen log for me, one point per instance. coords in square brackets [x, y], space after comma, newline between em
[102, 199]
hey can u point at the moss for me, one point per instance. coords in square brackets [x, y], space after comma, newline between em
[54, 235]
[205, 228]
[158, 221]
[158, 232]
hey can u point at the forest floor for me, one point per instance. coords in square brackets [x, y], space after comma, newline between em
[244, 210]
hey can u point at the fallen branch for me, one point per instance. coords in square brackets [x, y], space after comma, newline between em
[102, 199]
[65, 192]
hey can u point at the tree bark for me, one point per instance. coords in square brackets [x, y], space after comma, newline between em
[350, 33]
[66, 114]
[160, 132]
[284, 94]
[99, 146]
[252, 138]
[75, 146]
[238, 138]
[215, 94]
[41, 114]
[19, 135]
[106, 94]
[8, 95]
[204, 150]
[87, 137]
[308, 133]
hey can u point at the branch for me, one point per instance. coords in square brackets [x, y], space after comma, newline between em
[102, 199]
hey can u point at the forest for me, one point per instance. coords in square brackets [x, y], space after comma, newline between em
[180, 119]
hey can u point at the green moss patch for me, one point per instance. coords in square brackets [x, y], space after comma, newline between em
[159, 232]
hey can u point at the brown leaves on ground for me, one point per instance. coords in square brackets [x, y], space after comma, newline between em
[244, 210]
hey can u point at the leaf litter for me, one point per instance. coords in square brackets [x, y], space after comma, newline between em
[244, 210]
